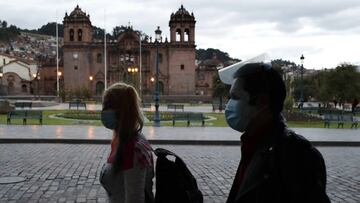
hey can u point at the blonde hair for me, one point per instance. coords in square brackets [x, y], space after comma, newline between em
[124, 100]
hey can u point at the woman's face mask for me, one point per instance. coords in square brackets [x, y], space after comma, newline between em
[238, 111]
[109, 119]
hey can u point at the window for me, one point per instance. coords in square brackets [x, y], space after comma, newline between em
[186, 35]
[71, 33]
[178, 35]
[75, 67]
[99, 58]
[80, 35]
[24, 88]
[182, 67]
[160, 58]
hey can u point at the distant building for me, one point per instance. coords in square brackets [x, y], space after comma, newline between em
[17, 75]
[205, 72]
[84, 56]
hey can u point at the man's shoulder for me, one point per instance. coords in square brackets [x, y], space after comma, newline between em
[296, 145]
[294, 140]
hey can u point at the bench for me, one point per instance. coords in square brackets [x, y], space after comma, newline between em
[146, 105]
[217, 106]
[78, 104]
[24, 115]
[23, 105]
[311, 110]
[347, 118]
[175, 106]
[340, 120]
[188, 117]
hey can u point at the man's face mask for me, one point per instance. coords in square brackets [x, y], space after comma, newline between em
[238, 111]
[109, 120]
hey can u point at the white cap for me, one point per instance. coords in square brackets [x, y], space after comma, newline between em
[227, 74]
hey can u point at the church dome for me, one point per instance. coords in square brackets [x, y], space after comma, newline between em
[182, 14]
[77, 14]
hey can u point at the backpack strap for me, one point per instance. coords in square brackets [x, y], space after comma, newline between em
[164, 152]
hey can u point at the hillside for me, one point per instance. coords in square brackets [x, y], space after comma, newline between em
[42, 41]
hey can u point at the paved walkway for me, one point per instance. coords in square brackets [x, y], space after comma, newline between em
[164, 133]
[62, 106]
[70, 173]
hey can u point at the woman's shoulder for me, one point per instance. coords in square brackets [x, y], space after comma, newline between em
[143, 152]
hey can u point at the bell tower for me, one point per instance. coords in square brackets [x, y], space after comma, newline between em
[77, 49]
[182, 53]
[77, 27]
[182, 27]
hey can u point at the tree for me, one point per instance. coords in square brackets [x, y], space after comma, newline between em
[202, 54]
[220, 90]
[4, 24]
[50, 29]
[341, 84]
[344, 83]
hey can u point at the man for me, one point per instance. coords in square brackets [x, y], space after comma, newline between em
[276, 164]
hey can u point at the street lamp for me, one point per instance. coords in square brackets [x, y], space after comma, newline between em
[128, 61]
[36, 77]
[302, 80]
[157, 114]
[1, 85]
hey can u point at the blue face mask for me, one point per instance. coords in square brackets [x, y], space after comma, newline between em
[238, 114]
[109, 119]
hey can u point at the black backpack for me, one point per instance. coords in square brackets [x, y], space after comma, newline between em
[174, 181]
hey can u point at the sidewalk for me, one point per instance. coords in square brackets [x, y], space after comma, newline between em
[163, 107]
[163, 135]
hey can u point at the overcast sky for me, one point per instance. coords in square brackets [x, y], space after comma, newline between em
[326, 32]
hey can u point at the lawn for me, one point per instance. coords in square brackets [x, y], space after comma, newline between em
[82, 117]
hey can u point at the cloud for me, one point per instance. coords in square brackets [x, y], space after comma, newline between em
[325, 31]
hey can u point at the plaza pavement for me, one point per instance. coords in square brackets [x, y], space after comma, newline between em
[163, 135]
[70, 172]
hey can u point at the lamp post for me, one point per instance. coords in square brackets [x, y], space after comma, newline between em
[34, 78]
[302, 80]
[91, 78]
[1, 84]
[133, 71]
[157, 114]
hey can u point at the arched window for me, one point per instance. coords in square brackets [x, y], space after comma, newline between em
[24, 88]
[178, 35]
[187, 35]
[160, 58]
[11, 88]
[99, 88]
[161, 87]
[99, 58]
[80, 35]
[71, 34]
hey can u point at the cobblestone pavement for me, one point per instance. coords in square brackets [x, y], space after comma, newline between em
[69, 173]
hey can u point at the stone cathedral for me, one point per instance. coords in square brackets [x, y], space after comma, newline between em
[84, 57]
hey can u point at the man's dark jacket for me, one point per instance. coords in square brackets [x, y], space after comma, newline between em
[285, 168]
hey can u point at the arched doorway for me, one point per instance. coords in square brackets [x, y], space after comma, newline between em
[161, 88]
[10, 88]
[24, 88]
[99, 88]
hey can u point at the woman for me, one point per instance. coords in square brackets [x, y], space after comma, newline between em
[127, 175]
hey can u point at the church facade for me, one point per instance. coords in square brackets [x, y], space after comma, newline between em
[83, 57]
